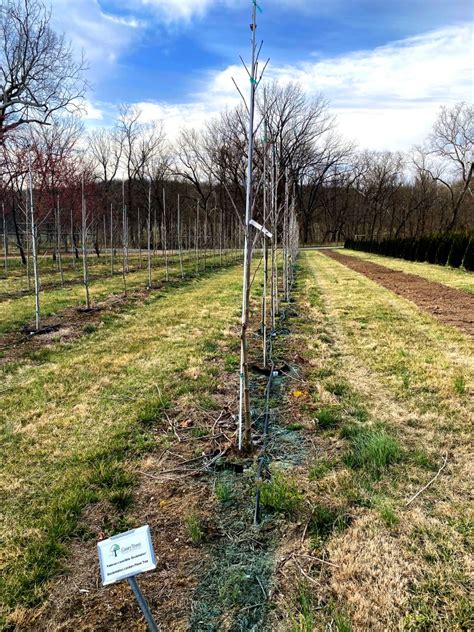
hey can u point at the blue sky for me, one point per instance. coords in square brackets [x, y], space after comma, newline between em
[386, 66]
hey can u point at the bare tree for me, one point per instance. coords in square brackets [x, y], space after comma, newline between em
[39, 74]
[451, 144]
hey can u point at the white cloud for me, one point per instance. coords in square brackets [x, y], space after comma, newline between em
[174, 10]
[174, 117]
[386, 98]
[102, 37]
[389, 97]
[91, 112]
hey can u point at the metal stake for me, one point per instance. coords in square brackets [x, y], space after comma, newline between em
[143, 604]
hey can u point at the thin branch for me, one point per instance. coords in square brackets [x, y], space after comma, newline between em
[430, 482]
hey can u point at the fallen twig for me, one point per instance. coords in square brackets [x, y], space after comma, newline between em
[308, 523]
[430, 482]
[303, 572]
[317, 559]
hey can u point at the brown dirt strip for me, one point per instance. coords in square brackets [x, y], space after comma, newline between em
[452, 307]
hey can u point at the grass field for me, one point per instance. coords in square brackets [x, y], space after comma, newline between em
[379, 401]
[19, 310]
[73, 425]
[457, 278]
[389, 398]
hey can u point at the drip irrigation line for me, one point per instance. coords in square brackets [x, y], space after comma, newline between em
[174, 283]
[264, 457]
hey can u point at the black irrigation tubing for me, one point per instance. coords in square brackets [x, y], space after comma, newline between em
[4, 296]
[263, 458]
[43, 330]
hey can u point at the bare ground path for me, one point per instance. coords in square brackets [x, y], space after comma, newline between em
[452, 307]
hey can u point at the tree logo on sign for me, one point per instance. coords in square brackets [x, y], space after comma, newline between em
[115, 549]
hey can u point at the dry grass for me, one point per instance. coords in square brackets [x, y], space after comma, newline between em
[72, 428]
[378, 362]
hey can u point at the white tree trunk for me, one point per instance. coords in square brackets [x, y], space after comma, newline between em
[34, 246]
[5, 241]
[85, 267]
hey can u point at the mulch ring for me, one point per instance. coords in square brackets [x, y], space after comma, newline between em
[450, 306]
[65, 326]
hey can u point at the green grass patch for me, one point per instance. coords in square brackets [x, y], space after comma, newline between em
[231, 362]
[320, 469]
[152, 411]
[324, 521]
[281, 495]
[223, 487]
[304, 620]
[323, 373]
[194, 527]
[329, 417]
[339, 388]
[387, 511]
[294, 426]
[459, 384]
[371, 449]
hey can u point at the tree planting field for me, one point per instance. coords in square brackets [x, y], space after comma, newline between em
[133, 422]
[17, 302]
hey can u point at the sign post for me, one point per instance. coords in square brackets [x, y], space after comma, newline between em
[143, 604]
[124, 556]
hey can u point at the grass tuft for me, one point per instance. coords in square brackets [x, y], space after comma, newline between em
[223, 488]
[459, 384]
[371, 449]
[339, 388]
[304, 620]
[280, 495]
[329, 417]
[194, 527]
[294, 426]
[152, 411]
[324, 521]
[231, 362]
[387, 512]
[320, 469]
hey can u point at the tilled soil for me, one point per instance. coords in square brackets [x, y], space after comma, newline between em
[450, 306]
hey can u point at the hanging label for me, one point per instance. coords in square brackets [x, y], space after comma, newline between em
[125, 555]
[261, 228]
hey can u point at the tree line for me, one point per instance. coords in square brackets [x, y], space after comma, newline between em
[132, 179]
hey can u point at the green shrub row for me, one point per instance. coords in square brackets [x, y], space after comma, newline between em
[455, 249]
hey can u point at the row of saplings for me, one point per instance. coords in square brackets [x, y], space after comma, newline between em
[454, 249]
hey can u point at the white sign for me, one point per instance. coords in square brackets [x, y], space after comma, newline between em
[125, 555]
[261, 228]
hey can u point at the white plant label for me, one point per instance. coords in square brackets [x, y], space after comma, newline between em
[261, 228]
[125, 555]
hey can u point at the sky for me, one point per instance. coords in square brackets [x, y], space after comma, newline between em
[385, 66]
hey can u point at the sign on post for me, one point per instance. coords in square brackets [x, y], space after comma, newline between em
[260, 228]
[125, 555]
